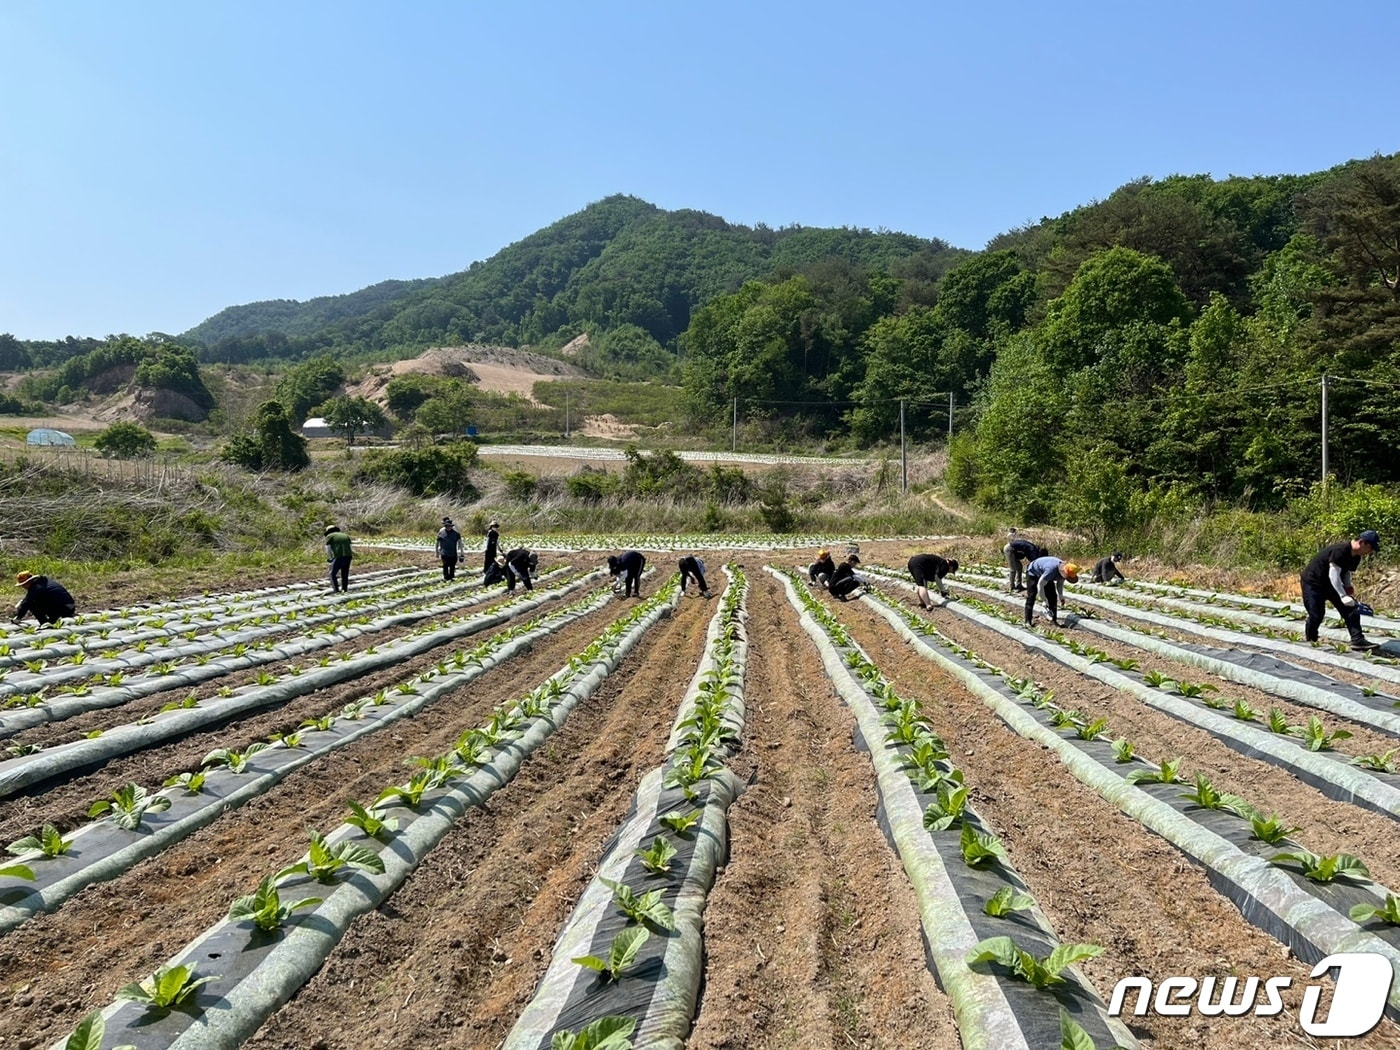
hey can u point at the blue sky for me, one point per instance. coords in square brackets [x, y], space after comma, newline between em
[161, 161]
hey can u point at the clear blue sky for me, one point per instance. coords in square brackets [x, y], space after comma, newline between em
[160, 161]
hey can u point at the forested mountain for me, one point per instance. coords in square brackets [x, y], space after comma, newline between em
[620, 264]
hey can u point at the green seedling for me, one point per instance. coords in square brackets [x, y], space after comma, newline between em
[1382, 763]
[1315, 735]
[1156, 679]
[320, 725]
[1092, 730]
[1122, 750]
[947, 811]
[1040, 973]
[192, 783]
[187, 703]
[643, 908]
[1278, 723]
[236, 761]
[1389, 913]
[1006, 900]
[1072, 1034]
[168, 987]
[373, 823]
[290, 739]
[978, 847]
[89, 1034]
[1205, 796]
[681, 823]
[50, 842]
[23, 750]
[1193, 690]
[606, 1033]
[1320, 868]
[1166, 773]
[621, 954]
[325, 863]
[1060, 717]
[657, 857]
[411, 794]
[1244, 712]
[1270, 829]
[264, 907]
[128, 805]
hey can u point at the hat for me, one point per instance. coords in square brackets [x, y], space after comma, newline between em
[494, 525]
[330, 529]
[854, 557]
[823, 553]
[1372, 537]
[24, 577]
[447, 521]
[1071, 571]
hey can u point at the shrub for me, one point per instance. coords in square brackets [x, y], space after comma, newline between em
[440, 470]
[520, 485]
[125, 440]
[590, 484]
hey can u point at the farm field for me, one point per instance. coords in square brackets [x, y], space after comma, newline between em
[820, 795]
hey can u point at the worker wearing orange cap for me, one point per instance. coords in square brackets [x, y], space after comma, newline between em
[821, 570]
[1045, 576]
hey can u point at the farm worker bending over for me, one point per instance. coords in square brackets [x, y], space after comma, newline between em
[1018, 550]
[520, 562]
[821, 570]
[845, 580]
[629, 564]
[338, 548]
[692, 568]
[1106, 570]
[1327, 578]
[449, 548]
[493, 540]
[926, 567]
[1047, 575]
[47, 599]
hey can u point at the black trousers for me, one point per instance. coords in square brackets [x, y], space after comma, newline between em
[1315, 599]
[449, 568]
[340, 573]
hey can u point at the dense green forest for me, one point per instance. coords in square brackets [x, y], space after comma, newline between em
[1162, 349]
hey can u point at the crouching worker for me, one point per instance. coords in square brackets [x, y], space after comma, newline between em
[1046, 576]
[628, 565]
[1106, 570]
[821, 570]
[692, 568]
[48, 600]
[926, 568]
[845, 580]
[520, 562]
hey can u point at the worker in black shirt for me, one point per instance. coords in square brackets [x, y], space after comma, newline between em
[844, 580]
[628, 565]
[493, 539]
[930, 567]
[692, 568]
[1019, 552]
[1106, 569]
[520, 562]
[821, 570]
[46, 600]
[1327, 578]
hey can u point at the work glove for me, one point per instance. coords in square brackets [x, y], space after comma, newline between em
[1348, 600]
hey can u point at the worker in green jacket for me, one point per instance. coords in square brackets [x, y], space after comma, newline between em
[338, 552]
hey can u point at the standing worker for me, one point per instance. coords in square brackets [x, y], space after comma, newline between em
[48, 600]
[449, 548]
[629, 564]
[692, 568]
[1047, 575]
[844, 580]
[1018, 549]
[338, 547]
[1327, 578]
[493, 540]
[1106, 570]
[520, 562]
[926, 567]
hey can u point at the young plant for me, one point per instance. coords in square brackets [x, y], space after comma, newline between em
[1039, 973]
[168, 987]
[606, 1033]
[1321, 868]
[1207, 797]
[1156, 679]
[1194, 691]
[236, 761]
[1005, 901]
[657, 857]
[325, 862]
[411, 794]
[128, 805]
[371, 821]
[621, 954]
[1166, 773]
[1122, 750]
[1244, 712]
[1092, 730]
[1060, 717]
[1377, 763]
[1278, 723]
[264, 907]
[89, 1034]
[1270, 829]
[1389, 913]
[643, 908]
[193, 783]
[978, 847]
[681, 823]
[947, 810]
[50, 842]
[1314, 734]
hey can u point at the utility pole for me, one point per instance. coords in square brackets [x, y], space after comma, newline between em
[950, 415]
[734, 429]
[903, 452]
[566, 415]
[1324, 433]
